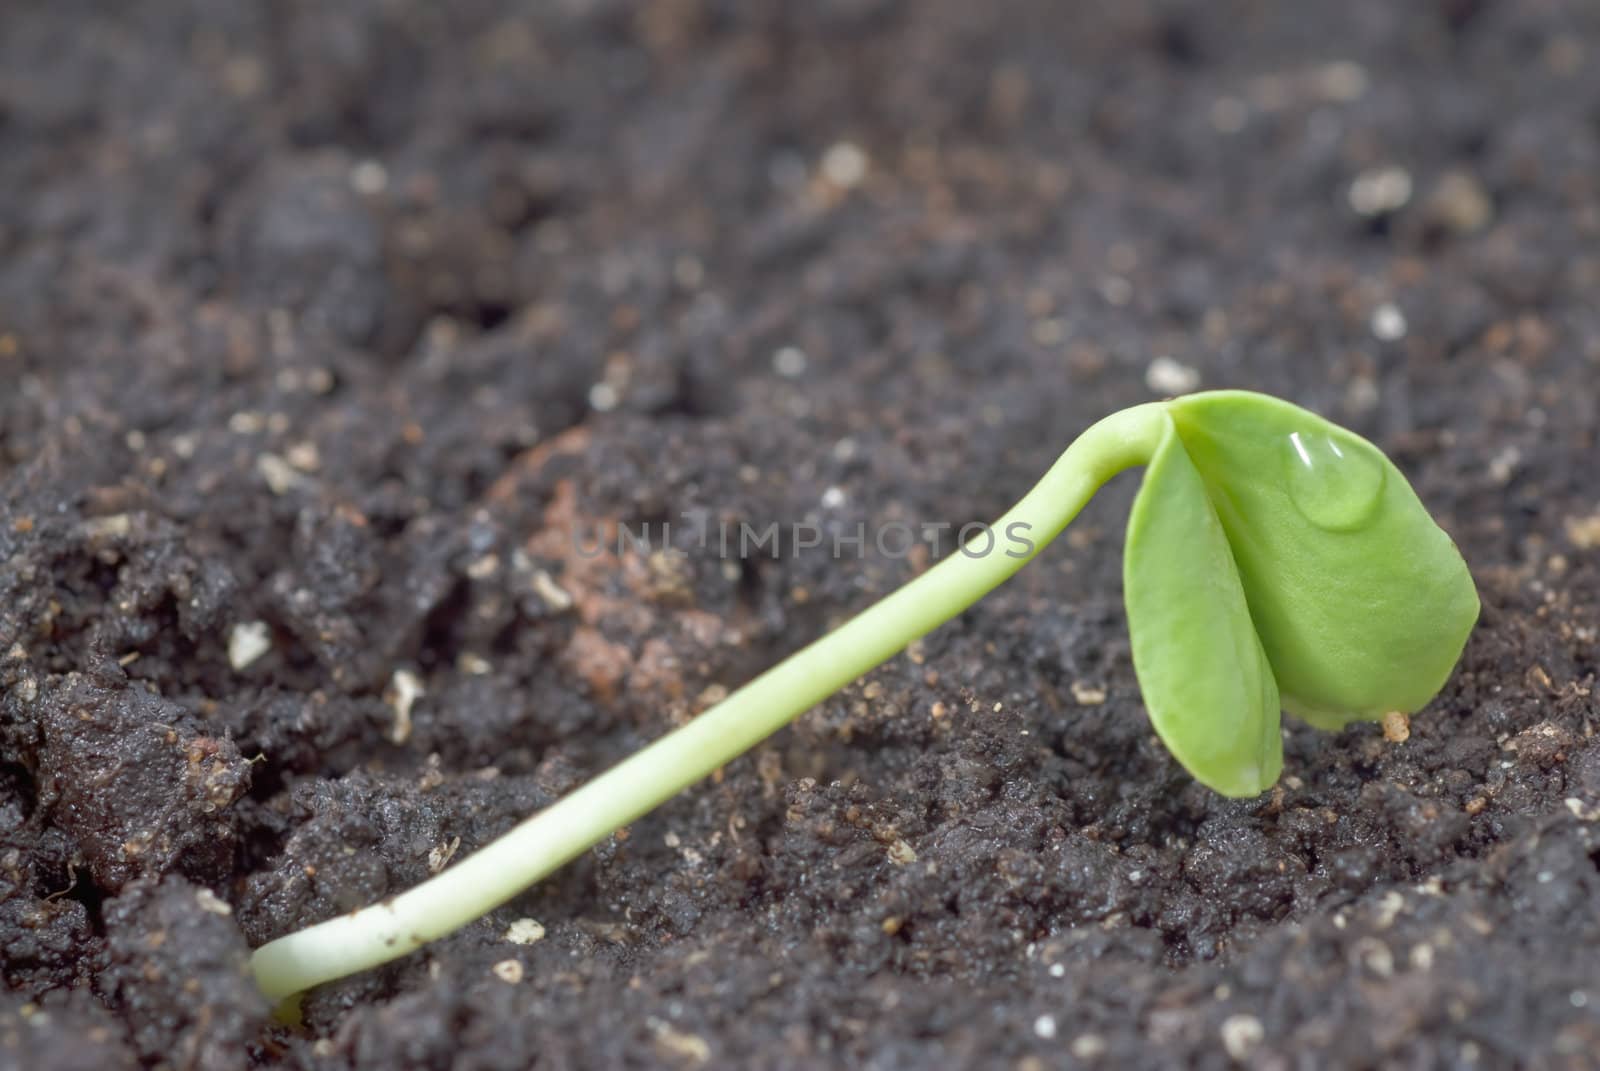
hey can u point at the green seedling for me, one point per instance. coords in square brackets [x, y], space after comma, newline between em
[1273, 561]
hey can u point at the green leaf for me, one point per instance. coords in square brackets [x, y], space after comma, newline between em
[1204, 675]
[1362, 602]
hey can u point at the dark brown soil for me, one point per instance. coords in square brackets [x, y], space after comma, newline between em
[340, 319]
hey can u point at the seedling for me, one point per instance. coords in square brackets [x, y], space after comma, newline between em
[1273, 560]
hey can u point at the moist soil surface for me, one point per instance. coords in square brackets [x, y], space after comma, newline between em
[325, 328]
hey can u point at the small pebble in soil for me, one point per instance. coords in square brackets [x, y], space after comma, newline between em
[508, 971]
[1396, 727]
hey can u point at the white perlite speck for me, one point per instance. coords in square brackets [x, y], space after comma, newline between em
[789, 362]
[1388, 323]
[554, 595]
[844, 164]
[1380, 190]
[369, 177]
[1501, 467]
[211, 903]
[1045, 1027]
[405, 688]
[1088, 1047]
[1167, 376]
[1583, 812]
[280, 476]
[525, 932]
[1241, 1034]
[1342, 81]
[248, 641]
[1088, 695]
[603, 397]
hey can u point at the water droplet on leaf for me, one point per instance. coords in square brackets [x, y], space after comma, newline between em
[1335, 482]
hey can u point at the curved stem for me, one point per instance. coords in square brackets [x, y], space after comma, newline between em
[638, 784]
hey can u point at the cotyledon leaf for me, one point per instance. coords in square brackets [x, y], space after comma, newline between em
[1362, 602]
[1205, 677]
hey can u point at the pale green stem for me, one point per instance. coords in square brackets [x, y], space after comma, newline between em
[638, 784]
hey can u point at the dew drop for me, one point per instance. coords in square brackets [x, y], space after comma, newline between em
[1335, 483]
